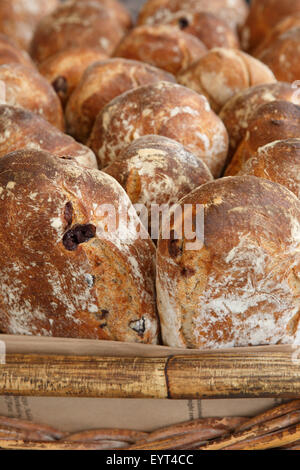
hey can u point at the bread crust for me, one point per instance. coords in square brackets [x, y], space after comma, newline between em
[283, 56]
[18, 18]
[10, 52]
[233, 12]
[238, 110]
[85, 23]
[102, 82]
[65, 69]
[262, 18]
[22, 129]
[165, 109]
[163, 46]
[273, 121]
[64, 278]
[26, 88]
[278, 161]
[242, 287]
[221, 73]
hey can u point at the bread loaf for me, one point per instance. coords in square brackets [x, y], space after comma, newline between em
[239, 109]
[22, 129]
[209, 28]
[165, 109]
[233, 12]
[283, 56]
[76, 24]
[221, 73]
[11, 53]
[101, 83]
[262, 18]
[155, 170]
[278, 161]
[65, 69]
[18, 18]
[164, 46]
[278, 120]
[25, 87]
[119, 10]
[242, 287]
[63, 275]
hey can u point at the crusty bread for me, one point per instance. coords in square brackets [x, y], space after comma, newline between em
[76, 24]
[233, 12]
[278, 120]
[207, 27]
[101, 83]
[22, 129]
[155, 170]
[289, 22]
[25, 87]
[65, 69]
[278, 161]
[18, 18]
[242, 287]
[262, 18]
[164, 46]
[221, 73]
[11, 53]
[63, 275]
[165, 109]
[119, 10]
[283, 56]
[239, 109]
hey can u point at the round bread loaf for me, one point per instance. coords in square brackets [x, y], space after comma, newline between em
[233, 12]
[164, 46]
[155, 170]
[101, 83]
[165, 109]
[288, 23]
[76, 24]
[207, 27]
[278, 161]
[18, 18]
[262, 18]
[283, 56]
[239, 109]
[221, 73]
[25, 87]
[240, 287]
[65, 69]
[119, 10]
[11, 53]
[64, 275]
[22, 129]
[278, 120]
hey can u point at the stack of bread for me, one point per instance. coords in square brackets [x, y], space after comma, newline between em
[194, 109]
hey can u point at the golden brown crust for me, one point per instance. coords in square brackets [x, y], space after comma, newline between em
[165, 109]
[233, 12]
[239, 109]
[278, 161]
[222, 73]
[262, 18]
[290, 22]
[163, 46]
[84, 23]
[65, 69]
[11, 53]
[101, 83]
[22, 129]
[65, 277]
[283, 56]
[121, 13]
[18, 18]
[158, 170]
[242, 287]
[25, 87]
[278, 120]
